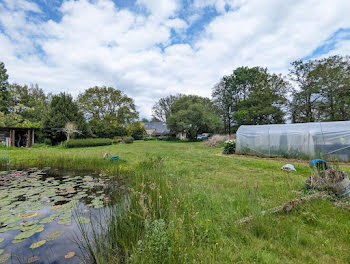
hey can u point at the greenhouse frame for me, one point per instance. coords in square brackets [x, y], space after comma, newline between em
[329, 140]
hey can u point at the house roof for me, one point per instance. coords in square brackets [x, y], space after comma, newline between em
[159, 127]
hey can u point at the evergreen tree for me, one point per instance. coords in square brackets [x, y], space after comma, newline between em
[63, 110]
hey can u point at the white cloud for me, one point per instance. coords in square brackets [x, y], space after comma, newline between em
[22, 5]
[96, 43]
[160, 9]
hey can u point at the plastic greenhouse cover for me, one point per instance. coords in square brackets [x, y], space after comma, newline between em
[323, 139]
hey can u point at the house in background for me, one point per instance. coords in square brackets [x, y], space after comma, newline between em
[17, 137]
[157, 129]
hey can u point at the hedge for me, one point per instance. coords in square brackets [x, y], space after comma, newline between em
[88, 142]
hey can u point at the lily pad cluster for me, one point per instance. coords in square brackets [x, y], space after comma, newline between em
[31, 199]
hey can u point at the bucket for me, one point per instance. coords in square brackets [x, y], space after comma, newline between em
[342, 188]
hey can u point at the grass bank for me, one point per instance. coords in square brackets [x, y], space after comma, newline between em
[183, 205]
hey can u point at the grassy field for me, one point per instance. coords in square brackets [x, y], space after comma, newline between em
[202, 195]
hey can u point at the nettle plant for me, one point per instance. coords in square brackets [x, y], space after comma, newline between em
[229, 146]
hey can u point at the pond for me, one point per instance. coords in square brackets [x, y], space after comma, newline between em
[41, 210]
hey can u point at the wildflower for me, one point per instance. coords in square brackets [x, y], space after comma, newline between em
[216, 243]
[206, 230]
[209, 220]
[175, 206]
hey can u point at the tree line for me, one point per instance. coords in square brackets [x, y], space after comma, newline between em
[314, 90]
[102, 112]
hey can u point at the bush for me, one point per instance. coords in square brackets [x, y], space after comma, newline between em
[88, 142]
[128, 140]
[47, 141]
[148, 138]
[217, 139]
[163, 138]
[229, 147]
[136, 130]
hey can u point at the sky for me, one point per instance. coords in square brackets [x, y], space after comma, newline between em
[153, 48]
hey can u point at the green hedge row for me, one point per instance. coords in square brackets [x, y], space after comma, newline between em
[88, 142]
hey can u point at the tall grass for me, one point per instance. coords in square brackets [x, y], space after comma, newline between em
[183, 208]
[88, 142]
[137, 227]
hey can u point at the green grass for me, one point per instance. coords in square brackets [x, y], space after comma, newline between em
[88, 142]
[202, 194]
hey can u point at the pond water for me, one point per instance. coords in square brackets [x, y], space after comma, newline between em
[40, 211]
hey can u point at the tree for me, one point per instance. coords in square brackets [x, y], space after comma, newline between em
[99, 102]
[30, 103]
[4, 94]
[332, 79]
[63, 110]
[136, 130]
[69, 129]
[304, 104]
[108, 127]
[251, 96]
[108, 110]
[223, 100]
[323, 90]
[161, 109]
[193, 115]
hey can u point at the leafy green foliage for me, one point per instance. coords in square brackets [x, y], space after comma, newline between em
[136, 130]
[193, 115]
[63, 110]
[323, 92]
[128, 140]
[229, 147]
[251, 96]
[88, 142]
[162, 109]
[108, 110]
[4, 93]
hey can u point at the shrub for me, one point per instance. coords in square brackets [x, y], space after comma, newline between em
[217, 139]
[163, 138]
[136, 130]
[128, 140]
[88, 142]
[47, 141]
[229, 147]
[148, 138]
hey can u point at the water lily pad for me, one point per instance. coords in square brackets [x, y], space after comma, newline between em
[53, 235]
[82, 220]
[16, 241]
[39, 216]
[48, 219]
[69, 255]
[30, 215]
[37, 244]
[4, 257]
[1, 251]
[1, 239]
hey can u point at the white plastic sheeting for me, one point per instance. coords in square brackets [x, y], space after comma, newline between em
[324, 139]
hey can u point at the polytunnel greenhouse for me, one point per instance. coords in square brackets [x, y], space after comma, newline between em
[307, 140]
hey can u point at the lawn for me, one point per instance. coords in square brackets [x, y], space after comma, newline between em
[208, 193]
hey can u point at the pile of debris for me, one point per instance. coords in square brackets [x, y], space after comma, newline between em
[331, 179]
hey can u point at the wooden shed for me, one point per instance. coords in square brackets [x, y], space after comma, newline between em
[17, 137]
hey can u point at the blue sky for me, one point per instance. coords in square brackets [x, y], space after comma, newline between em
[153, 48]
